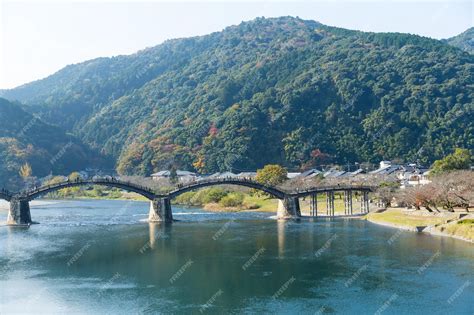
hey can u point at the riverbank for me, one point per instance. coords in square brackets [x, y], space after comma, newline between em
[456, 225]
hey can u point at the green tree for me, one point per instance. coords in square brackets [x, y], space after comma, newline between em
[459, 160]
[56, 194]
[173, 176]
[232, 200]
[97, 191]
[214, 195]
[74, 176]
[271, 175]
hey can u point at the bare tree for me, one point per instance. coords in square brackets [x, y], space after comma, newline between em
[447, 190]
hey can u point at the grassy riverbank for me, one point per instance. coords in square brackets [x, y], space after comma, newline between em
[463, 229]
[446, 223]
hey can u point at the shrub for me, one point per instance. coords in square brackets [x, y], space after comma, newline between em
[252, 206]
[115, 194]
[232, 200]
[214, 195]
[185, 199]
[198, 198]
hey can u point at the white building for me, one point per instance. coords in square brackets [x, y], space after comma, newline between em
[223, 175]
[291, 175]
[251, 175]
[183, 176]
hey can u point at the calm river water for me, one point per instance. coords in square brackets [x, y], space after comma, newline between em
[99, 257]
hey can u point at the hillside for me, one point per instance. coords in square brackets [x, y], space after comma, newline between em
[24, 138]
[464, 41]
[280, 90]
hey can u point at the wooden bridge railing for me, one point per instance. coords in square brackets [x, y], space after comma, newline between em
[150, 193]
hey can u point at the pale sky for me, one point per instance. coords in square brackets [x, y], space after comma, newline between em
[40, 37]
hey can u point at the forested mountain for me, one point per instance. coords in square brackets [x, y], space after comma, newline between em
[26, 139]
[464, 41]
[280, 90]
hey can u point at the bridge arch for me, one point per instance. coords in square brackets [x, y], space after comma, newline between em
[40, 191]
[279, 194]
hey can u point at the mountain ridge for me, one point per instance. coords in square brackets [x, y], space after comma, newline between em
[464, 41]
[180, 102]
[25, 138]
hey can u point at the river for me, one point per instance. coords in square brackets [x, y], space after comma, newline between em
[100, 257]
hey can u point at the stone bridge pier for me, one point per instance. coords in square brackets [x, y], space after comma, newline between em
[19, 212]
[160, 210]
[288, 208]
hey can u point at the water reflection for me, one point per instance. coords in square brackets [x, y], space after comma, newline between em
[281, 227]
[92, 265]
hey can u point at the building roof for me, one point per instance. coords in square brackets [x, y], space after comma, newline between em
[333, 173]
[222, 175]
[247, 174]
[311, 172]
[387, 170]
[359, 171]
[168, 173]
[292, 175]
[161, 173]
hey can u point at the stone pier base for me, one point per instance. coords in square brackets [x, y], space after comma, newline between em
[19, 212]
[289, 208]
[160, 210]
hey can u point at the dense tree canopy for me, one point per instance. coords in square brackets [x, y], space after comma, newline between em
[464, 41]
[270, 91]
[461, 159]
[28, 146]
[271, 175]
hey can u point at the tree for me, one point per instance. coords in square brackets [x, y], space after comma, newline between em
[271, 175]
[26, 171]
[74, 176]
[449, 190]
[199, 164]
[173, 176]
[386, 192]
[459, 160]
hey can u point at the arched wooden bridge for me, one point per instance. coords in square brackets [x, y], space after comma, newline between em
[43, 190]
[160, 206]
[275, 192]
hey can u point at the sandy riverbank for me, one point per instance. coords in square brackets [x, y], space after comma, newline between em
[456, 225]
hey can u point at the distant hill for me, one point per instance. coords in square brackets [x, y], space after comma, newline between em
[280, 90]
[464, 41]
[26, 139]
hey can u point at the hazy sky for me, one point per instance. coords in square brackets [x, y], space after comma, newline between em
[39, 37]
